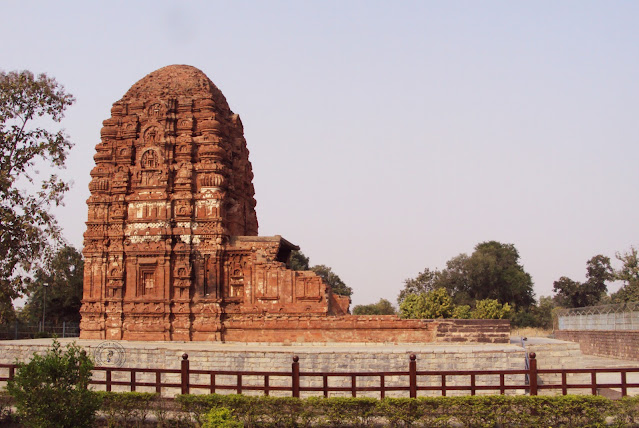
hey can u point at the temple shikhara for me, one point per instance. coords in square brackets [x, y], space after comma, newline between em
[172, 250]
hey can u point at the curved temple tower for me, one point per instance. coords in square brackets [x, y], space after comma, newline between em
[171, 247]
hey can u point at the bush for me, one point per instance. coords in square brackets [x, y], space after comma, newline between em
[434, 304]
[490, 309]
[51, 390]
[466, 411]
[221, 418]
[5, 407]
[462, 312]
[124, 408]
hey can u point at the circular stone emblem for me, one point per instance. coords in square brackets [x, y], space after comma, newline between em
[109, 354]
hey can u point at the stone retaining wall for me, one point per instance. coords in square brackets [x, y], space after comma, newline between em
[256, 357]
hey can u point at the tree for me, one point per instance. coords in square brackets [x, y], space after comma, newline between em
[495, 273]
[434, 304]
[539, 315]
[544, 312]
[26, 223]
[333, 280]
[298, 261]
[568, 293]
[573, 294]
[383, 307]
[423, 283]
[64, 276]
[629, 274]
[490, 309]
[492, 271]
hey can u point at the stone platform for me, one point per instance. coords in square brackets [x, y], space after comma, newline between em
[348, 357]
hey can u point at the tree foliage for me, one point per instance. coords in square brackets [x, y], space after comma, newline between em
[539, 315]
[26, 224]
[298, 261]
[490, 309]
[383, 307]
[492, 271]
[573, 294]
[629, 274]
[462, 312]
[433, 304]
[423, 283]
[333, 280]
[64, 275]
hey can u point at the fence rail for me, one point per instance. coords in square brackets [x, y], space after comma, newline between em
[529, 379]
[29, 331]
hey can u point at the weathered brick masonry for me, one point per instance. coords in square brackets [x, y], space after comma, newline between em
[364, 328]
[606, 343]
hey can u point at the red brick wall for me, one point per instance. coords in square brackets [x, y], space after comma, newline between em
[606, 343]
[362, 329]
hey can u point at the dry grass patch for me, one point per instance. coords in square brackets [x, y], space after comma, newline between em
[531, 332]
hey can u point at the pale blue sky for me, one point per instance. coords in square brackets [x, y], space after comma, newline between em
[385, 136]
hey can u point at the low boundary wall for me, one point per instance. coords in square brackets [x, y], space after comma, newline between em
[364, 329]
[622, 344]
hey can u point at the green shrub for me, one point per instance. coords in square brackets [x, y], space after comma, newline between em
[5, 407]
[357, 411]
[197, 406]
[401, 411]
[462, 312]
[221, 418]
[51, 390]
[125, 408]
[464, 411]
[434, 304]
[490, 309]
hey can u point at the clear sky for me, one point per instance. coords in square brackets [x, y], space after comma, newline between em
[385, 136]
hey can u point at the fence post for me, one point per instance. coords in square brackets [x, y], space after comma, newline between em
[108, 380]
[185, 373]
[64, 328]
[412, 370]
[296, 376]
[532, 375]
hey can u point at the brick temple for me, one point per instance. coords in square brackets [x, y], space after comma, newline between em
[172, 250]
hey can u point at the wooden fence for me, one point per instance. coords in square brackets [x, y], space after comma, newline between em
[529, 381]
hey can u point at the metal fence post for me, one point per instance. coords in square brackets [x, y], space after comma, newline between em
[296, 376]
[412, 370]
[64, 328]
[532, 375]
[185, 373]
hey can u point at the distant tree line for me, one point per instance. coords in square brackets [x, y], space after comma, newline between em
[491, 283]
